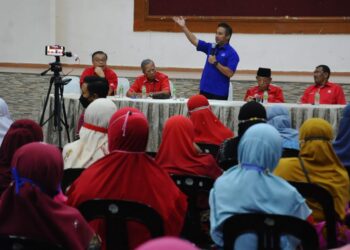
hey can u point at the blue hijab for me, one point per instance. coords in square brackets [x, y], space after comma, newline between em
[278, 116]
[250, 187]
[341, 144]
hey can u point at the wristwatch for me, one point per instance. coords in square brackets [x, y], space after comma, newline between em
[216, 63]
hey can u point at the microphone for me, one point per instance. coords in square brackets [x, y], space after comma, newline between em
[213, 49]
[70, 54]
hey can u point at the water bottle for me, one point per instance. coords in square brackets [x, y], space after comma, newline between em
[265, 97]
[317, 98]
[144, 92]
[173, 92]
[121, 92]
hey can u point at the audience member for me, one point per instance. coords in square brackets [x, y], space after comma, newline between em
[250, 113]
[329, 93]
[93, 142]
[221, 63]
[167, 243]
[278, 116]
[27, 207]
[20, 133]
[177, 153]
[341, 144]
[318, 164]
[208, 128]
[127, 173]
[99, 68]
[250, 187]
[5, 119]
[274, 93]
[93, 87]
[155, 83]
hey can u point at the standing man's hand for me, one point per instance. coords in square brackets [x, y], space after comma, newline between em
[212, 59]
[179, 20]
[99, 72]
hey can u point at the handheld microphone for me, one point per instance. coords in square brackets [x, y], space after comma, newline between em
[213, 49]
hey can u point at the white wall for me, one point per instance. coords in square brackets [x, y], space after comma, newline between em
[84, 26]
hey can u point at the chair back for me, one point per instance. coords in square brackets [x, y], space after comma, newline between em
[116, 213]
[209, 149]
[123, 83]
[197, 226]
[230, 92]
[325, 199]
[73, 86]
[69, 176]
[15, 242]
[269, 228]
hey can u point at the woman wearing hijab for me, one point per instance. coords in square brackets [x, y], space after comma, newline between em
[278, 116]
[250, 113]
[20, 133]
[93, 142]
[341, 144]
[256, 188]
[167, 243]
[318, 164]
[177, 153]
[127, 173]
[208, 128]
[5, 119]
[27, 207]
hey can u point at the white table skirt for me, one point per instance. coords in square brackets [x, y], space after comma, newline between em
[158, 111]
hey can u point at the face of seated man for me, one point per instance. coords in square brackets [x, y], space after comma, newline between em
[320, 76]
[99, 60]
[150, 71]
[263, 82]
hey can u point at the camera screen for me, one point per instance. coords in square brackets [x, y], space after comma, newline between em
[54, 50]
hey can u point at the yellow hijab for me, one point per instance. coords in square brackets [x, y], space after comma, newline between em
[321, 163]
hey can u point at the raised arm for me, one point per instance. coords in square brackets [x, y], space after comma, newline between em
[182, 23]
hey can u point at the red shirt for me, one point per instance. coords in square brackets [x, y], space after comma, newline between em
[275, 93]
[110, 75]
[160, 83]
[330, 93]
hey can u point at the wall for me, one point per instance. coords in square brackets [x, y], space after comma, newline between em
[84, 26]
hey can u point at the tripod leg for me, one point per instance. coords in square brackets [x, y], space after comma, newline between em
[64, 121]
[42, 123]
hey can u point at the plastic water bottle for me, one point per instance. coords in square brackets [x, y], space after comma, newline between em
[144, 92]
[265, 97]
[121, 92]
[317, 98]
[173, 93]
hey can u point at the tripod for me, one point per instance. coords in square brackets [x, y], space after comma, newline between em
[59, 106]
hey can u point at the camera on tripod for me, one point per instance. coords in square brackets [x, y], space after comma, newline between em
[58, 50]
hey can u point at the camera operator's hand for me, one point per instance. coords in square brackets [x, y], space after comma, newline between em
[99, 72]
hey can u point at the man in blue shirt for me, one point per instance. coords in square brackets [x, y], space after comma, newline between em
[221, 63]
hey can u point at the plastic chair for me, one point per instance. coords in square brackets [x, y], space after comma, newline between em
[116, 213]
[325, 199]
[15, 242]
[230, 92]
[209, 149]
[196, 188]
[123, 83]
[269, 228]
[69, 176]
[73, 86]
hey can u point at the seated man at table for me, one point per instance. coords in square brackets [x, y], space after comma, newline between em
[329, 93]
[275, 93]
[157, 84]
[99, 68]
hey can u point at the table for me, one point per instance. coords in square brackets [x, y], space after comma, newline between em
[158, 111]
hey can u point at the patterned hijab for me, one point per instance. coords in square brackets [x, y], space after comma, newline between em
[5, 119]
[341, 144]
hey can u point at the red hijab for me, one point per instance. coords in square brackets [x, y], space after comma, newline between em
[208, 128]
[177, 154]
[20, 133]
[127, 173]
[27, 207]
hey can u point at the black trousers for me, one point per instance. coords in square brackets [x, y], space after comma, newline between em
[212, 96]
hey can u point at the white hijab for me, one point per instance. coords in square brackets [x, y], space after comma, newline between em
[92, 144]
[5, 119]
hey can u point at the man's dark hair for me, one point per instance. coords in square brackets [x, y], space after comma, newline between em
[145, 62]
[228, 29]
[97, 85]
[99, 52]
[325, 69]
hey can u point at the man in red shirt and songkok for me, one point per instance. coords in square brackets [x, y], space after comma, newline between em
[329, 93]
[99, 68]
[274, 93]
[157, 84]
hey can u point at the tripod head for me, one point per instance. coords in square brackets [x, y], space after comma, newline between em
[55, 67]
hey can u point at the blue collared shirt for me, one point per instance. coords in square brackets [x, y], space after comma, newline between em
[213, 81]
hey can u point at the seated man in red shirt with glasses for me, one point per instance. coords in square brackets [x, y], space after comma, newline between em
[99, 68]
[329, 93]
[156, 84]
[274, 93]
